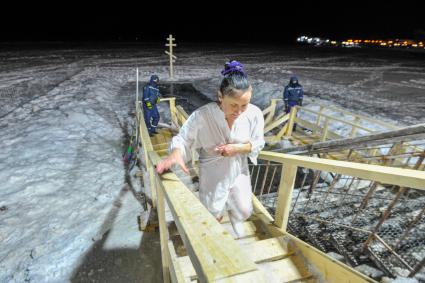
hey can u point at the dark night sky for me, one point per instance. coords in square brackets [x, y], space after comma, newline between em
[218, 21]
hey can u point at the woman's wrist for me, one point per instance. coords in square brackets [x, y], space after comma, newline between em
[243, 148]
[175, 154]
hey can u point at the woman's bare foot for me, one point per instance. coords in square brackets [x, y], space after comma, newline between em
[219, 218]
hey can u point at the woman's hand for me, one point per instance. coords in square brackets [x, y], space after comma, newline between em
[232, 149]
[174, 158]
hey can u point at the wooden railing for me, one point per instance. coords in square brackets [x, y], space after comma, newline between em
[386, 178]
[214, 253]
[321, 130]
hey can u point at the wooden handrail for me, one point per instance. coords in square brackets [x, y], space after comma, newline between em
[146, 146]
[336, 119]
[387, 175]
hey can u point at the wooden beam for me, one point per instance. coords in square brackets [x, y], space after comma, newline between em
[292, 117]
[358, 117]
[316, 129]
[176, 272]
[278, 121]
[147, 147]
[416, 132]
[186, 266]
[249, 228]
[249, 277]
[331, 269]
[271, 110]
[268, 250]
[286, 186]
[163, 234]
[335, 119]
[386, 175]
[290, 269]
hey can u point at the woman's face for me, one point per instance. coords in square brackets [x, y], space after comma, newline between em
[234, 105]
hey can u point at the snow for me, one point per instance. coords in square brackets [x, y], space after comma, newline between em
[63, 114]
[61, 173]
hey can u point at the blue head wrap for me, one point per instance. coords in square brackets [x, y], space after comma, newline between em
[232, 66]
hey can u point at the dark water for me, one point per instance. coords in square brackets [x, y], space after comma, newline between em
[186, 95]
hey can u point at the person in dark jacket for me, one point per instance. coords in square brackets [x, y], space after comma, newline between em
[293, 95]
[151, 97]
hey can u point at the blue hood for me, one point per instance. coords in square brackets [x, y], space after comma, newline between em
[292, 79]
[154, 80]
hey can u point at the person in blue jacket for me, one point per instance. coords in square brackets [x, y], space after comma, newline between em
[293, 95]
[151, 97]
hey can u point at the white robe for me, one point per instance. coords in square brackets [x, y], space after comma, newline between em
[223, 181]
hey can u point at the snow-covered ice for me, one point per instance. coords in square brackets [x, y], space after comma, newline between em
[63, 114]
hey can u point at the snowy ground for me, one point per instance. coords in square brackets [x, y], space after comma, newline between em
[67, 212]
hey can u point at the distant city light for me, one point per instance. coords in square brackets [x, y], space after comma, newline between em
[350, 43]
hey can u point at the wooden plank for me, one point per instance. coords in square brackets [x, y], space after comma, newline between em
[292, 117]
[163, 235]
[383, 174]
[268, 250]
[358, 116]
[250, 229]
[176, 272]
[332, 270]
[271, 110]
[212, 250]
[337, 119]
[256, 276]
[286, 186]
[285, 270]
[260, 209]
[316, 129]
[190, 273]
[147, 147]
[248, 240]
[186, 266]
[278, 121]
[416, 132]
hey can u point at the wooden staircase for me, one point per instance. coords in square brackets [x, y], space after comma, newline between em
[274, 257]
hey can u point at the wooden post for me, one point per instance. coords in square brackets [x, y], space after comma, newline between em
[291, 121]
[325, 130]
[173, 112]
[319, 115]
[163, 231]
[286, 186]
[271, 113]
[282, 131]
[173, 58]
[147, 146]
[354, 128]
[137, 88]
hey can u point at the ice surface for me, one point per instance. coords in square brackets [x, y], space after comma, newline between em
[62, 117]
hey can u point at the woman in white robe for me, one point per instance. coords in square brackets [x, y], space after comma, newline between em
[224, 133]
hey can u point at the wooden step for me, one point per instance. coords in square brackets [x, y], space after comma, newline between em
[164, 136]
[160, 146]
[250, 229]
[248, 240]
[268, 250]
[187, 269]
[290, 269]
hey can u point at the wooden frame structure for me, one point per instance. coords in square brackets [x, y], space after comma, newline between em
[213, 254]
[320, 132]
